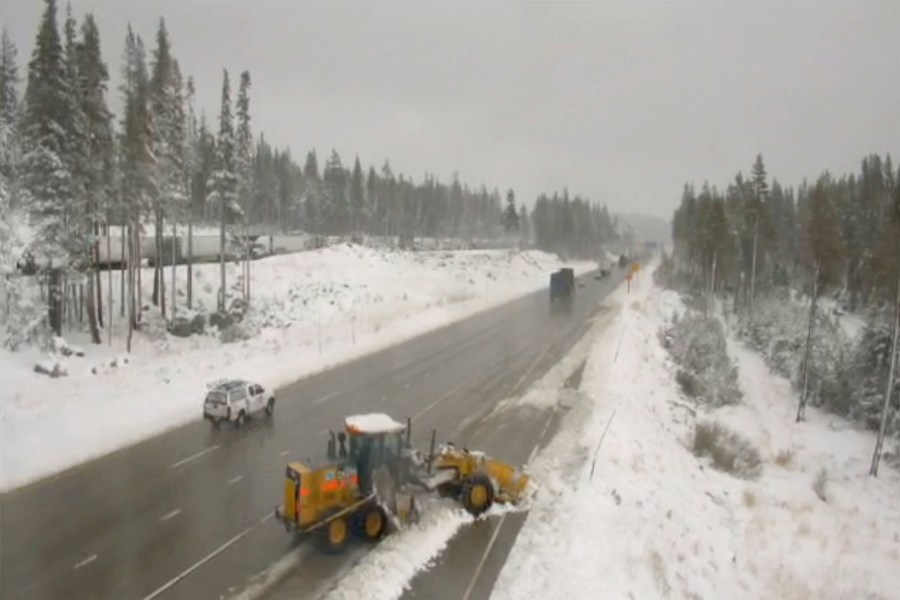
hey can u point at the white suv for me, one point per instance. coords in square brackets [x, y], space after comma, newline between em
[234, 400]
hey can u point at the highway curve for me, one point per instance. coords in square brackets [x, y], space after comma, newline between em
[187, 514]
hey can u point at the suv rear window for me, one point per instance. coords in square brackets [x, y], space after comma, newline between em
[215, 397]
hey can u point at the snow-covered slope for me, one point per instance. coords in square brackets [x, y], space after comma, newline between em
[310, 310]
[654, 521]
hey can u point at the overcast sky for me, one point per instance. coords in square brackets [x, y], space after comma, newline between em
[620, 101]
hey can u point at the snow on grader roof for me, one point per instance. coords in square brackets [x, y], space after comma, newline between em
[372, 423]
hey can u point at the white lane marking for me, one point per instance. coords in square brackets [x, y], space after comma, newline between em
[324, 398]
[170, 515]
[184, 461]
[384, 399]
[445, 396]
[528, 371]
[266, 580]
[484, 557]
[285, 453]
[493, 539]
[269, 515]
[540, 439]
[86, 561]
[234, 480]
[200, 563]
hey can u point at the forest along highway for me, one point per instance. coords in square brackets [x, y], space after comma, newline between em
[188, 514]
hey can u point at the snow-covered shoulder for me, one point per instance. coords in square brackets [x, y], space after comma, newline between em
[626, 510]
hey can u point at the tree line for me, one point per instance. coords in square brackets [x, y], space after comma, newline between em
[836, 232]
[572, 226]
[838, 236]
[80, 172]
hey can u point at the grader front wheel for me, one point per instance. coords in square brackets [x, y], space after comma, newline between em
[334, 535]
[477, 493]
[371, 524]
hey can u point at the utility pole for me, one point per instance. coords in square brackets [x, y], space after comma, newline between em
[876, 457]
[753, 264]
[712, 284]
[801, 410]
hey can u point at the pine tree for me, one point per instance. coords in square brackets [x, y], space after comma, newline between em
[357, 198]
[511, 216]
[223, 182]
[244, 143]
[524, 225]
[191, 153]
[335, 208]
[167, 109]
[374, 204]
[97, 143]
[139, 187]
[46, 174]
[311, 168]
[9, 115]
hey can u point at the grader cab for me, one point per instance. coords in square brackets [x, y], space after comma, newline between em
[374, 480]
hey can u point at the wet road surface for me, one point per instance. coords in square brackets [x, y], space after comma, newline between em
[188, 514]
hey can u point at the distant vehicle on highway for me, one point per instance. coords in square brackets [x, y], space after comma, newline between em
[234, 400]
[562, 290]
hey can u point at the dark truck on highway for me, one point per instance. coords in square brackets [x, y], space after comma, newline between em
[562, 290]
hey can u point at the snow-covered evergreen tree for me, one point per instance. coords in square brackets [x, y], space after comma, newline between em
[357, 198]
[46, 172]
[167, 108]
[223, 181]
[9, 115]
[334, 206]
[243, 145]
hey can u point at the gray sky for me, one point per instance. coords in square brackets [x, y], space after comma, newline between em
[619, 101]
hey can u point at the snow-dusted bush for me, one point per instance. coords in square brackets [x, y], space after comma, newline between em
[871, 365]
[846, 378]
[706, 373]
[729, 451]
[237, 332]
[22, 313]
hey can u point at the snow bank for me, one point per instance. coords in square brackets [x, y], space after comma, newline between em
[310, 311]
[650, 520]
[385, 572]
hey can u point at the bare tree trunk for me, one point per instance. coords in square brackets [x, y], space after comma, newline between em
[138, 267]
[801, 410]
[175, 246]
[81, 301]
[190, 262]
[161, 261]
[876, 456]
[125, 264]
[131, 277]
[54, 297]
[96, 274]
[157, 242]
[109, 289]
[222, 297]
[92, 309]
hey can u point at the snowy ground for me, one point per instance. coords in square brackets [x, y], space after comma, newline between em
[311, 310]
[654, 521]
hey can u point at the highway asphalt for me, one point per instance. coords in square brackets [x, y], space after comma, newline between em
[188, 514]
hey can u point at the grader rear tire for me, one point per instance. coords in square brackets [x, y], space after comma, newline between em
[371, 523]
[334, 536]
[477, 493]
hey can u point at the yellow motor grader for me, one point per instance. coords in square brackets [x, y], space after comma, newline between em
[373, 484]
